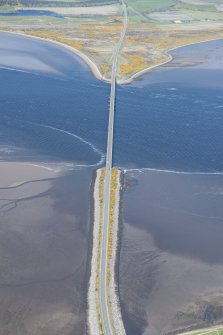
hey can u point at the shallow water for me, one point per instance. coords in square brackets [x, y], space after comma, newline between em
[44, 249]
[171, 255]
[169, 120]
[31, 12]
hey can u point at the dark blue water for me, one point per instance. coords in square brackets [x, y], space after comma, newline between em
[44, 92]
[170, 129]
[39, 102]
[174, 124]
[30, 12]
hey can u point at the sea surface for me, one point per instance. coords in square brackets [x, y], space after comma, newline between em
[164, 120]
[169, 142]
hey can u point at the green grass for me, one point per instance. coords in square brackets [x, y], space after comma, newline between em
[209, 8]
[138, 10]
[6, 8]
[200, 12]
[143, 6]
[202, 15]
[38, 22]
[212, 332]
[137, 19]
[30, 21]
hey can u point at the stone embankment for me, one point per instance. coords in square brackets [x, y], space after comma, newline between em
[95, 326]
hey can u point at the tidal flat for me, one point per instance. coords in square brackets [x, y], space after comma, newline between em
[43, 250]
[171, 266]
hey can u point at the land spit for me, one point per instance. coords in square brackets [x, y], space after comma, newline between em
[94, 67]
[95, 326]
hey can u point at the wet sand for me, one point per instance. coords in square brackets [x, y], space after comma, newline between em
[172, 253]
[16, 173]
[43, 250]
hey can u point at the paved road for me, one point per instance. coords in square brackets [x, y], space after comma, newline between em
[106, 321]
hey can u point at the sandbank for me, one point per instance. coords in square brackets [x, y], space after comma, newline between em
[16, 173]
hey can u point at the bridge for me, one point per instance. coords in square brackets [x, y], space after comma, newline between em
[103, 292]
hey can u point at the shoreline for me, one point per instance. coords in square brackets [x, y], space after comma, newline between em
[167, 54]
[93, 317]
[90, 246]
[95, 69]
[88, 61]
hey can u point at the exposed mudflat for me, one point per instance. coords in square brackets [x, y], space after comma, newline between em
[171, 270]
[43, 251]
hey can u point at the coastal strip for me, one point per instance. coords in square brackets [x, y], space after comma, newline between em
[95, 326]
[95, 69]
[169, 57]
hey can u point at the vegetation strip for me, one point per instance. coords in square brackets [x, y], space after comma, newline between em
[113, 297]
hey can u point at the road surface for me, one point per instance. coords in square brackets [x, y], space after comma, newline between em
[103, 292]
